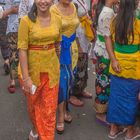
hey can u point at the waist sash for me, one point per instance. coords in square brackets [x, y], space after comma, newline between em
[126, 49]
[86, 24]
[65, 55]
[101, 38]
[41, 47]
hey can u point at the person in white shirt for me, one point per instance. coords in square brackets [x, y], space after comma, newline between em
[103, 17]
[4, 12]
[12, 35]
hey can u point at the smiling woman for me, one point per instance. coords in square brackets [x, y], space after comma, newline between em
[38, 39]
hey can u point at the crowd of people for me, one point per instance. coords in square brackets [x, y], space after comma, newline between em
[45, 45]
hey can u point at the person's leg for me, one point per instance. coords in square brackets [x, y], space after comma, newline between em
[80, 74]
[102, 86]
[63, 96]
[123, 104]
[42, 108]
[80, 80]
[13, 59]
[4, 44]
[67, 116]
[134, 132]
[60, 120]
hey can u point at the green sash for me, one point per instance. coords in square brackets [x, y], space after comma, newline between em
[126, 49]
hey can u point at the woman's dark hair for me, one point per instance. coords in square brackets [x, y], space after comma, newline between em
[124, 22]
[76, 6]
[33, 13]
[99, 7]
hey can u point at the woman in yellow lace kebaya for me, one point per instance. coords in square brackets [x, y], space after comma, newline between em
[38, 39]
[70, 22]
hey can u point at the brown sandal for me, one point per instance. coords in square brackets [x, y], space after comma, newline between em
[86, 95]
[76, 102]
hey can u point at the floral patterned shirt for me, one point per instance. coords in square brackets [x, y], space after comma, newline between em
[24, 7]
[12, 25]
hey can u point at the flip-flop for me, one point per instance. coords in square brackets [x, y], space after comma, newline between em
[86, 95]
[74, 102]
[33, 136]
[120, 132]
[12, 89]
[134, 137]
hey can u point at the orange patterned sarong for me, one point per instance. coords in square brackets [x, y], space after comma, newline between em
[42, 108]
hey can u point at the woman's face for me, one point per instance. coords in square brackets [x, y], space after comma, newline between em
[43, 5]
[65, 1]
[138, 4]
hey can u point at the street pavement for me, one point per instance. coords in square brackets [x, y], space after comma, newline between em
[15, 124]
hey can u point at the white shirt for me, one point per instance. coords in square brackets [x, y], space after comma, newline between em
[25, 7]
[104, 21]
[103, 29]
[12, 24]
[80, 31]
[1, 12]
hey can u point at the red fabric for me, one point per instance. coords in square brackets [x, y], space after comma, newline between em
[42, 108]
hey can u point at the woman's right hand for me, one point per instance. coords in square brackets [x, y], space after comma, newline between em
[116, 66]
[27, 85]
[14, 9]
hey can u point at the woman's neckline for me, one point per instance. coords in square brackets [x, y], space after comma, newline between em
[63, 14]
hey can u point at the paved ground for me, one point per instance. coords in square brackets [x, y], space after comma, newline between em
[15, 125]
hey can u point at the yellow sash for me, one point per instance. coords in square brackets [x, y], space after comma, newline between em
[86, 24]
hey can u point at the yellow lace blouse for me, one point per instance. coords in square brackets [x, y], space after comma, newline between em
[130, 63]
[69, 26]
[41, 60]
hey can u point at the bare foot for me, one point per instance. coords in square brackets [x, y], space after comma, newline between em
[68, 118]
